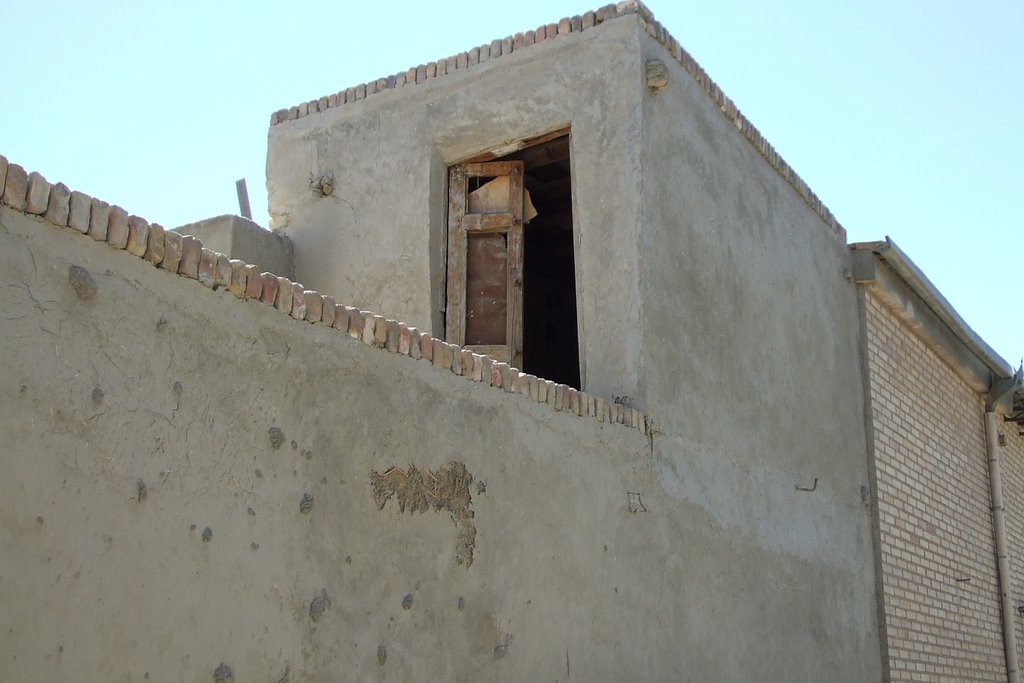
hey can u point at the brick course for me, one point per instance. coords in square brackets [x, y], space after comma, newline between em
[186, 256]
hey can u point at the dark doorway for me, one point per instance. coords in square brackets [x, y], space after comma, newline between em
[550, 335]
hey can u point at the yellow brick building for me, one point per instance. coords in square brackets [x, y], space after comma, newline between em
[931, 384]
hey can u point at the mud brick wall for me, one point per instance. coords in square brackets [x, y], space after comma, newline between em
[212, 473]
[238, 478]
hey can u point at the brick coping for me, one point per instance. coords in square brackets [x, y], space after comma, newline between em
[565, 26]
[185, 255]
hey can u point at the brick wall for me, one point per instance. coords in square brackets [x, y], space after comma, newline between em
[937, 550]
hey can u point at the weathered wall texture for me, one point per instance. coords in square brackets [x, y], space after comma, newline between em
[751, 377]
[937, 551]
[711, 292]
[155, 378]
[379, 239]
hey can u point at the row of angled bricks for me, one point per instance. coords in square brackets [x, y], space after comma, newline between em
[184, 254]
[464, 60]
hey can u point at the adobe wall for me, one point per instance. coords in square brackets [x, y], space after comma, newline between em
[698, 255]
[141, 409]
[752, 377]
[938, 565]
[379, 239]
[685, 548]
[196, 476]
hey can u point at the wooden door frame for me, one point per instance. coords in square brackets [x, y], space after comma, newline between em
[459, 224]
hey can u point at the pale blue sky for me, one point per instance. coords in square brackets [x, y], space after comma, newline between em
[904, 117]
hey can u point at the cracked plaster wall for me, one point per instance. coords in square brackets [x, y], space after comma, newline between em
[155, 378]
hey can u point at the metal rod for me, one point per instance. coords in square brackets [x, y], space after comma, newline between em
[243, 199]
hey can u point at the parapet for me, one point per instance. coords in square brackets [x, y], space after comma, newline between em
[185, 255]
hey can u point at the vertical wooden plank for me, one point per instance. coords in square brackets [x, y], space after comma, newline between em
[515, 266]
[511, 224]
[243, 198]
[455, 309]
[486, 288]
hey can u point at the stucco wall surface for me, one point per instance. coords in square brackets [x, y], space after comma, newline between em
[710, 294]
[938, 563]
[752, 379]
[379, 240]
[583, 569]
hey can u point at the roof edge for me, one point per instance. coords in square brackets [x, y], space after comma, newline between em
[499, 47]
[901, 264]
[565, 26]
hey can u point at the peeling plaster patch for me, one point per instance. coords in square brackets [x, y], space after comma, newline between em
[419, 490]
[322, 185]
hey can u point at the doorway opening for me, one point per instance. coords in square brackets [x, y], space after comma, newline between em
[512, 284]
